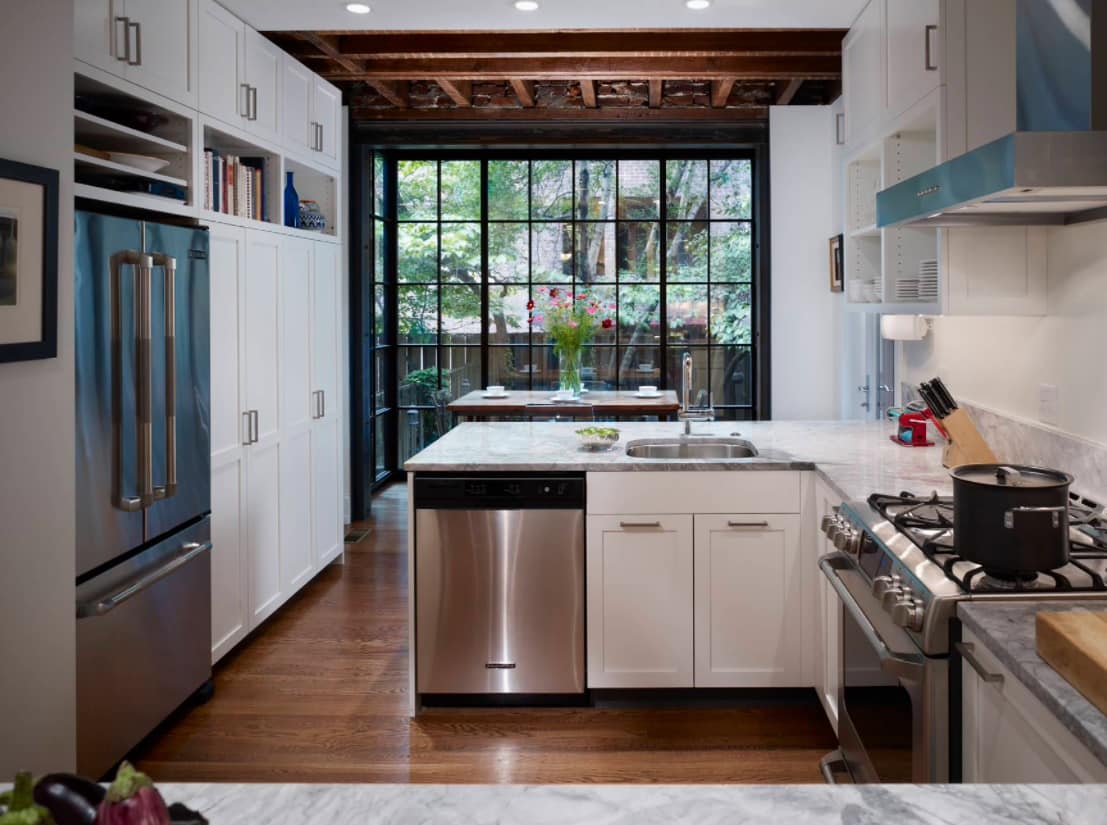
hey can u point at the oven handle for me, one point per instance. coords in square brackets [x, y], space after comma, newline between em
[889, 662]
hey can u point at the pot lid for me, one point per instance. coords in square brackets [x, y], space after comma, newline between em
[1011, 475]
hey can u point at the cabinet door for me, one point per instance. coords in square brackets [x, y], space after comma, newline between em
[297, 551]
[995, 270]
[296, 87]
[295, 333]
[260, 338]
[326, 478]
[326, 104]
[639, 575]
[326, 455]
[97, 38]
[748, 601]
[230, 615]
[863, 76]
[163, 47]
[263, 529]
[264, 63]
[221, 63]
[913, 51]
[828, 619]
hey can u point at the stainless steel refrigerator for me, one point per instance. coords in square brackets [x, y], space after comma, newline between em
[143, 479]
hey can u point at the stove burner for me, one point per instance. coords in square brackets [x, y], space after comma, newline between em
[928, 522]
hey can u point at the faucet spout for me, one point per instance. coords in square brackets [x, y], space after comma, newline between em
[688, 413]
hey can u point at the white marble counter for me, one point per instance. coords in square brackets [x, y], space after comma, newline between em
[855, 457]
[643, 804]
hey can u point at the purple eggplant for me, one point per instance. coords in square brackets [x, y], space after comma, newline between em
[132, 799]
[71, 799]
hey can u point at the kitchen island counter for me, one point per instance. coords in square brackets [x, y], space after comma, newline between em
[855, 457]
[672, 805]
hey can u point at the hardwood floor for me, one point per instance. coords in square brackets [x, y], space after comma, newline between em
[318, 694]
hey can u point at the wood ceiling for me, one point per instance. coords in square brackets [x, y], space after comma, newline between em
[712, 75]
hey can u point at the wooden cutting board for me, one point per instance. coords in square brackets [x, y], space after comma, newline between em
[1075, 645]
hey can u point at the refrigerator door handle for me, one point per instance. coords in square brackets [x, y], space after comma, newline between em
[142, 264]
[106, 604]
[169, 264]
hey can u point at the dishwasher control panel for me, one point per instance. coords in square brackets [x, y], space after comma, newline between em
[494, 492]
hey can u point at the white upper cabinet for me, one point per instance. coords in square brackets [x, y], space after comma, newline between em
[297, 86]
[148, 42]
[913, 52]
[863, 76]
[264, 63]
[326, 104]
[222, 55]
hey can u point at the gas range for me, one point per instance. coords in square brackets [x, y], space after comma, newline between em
[903, 545]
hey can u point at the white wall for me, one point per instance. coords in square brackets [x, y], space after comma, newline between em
[806, 315]
[1000, 362]
[37, 625]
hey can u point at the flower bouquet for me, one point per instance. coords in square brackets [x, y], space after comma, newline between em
[571, 320]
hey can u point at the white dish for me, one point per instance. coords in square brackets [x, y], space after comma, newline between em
[647, 395]
[144, 162]
[494, 395]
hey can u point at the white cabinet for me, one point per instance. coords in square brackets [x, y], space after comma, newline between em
[828, 616]
[240, 73]
[913, 50]
[863, 75]
[1009, 736]
[312, 113]
[325, 433]
[995, 270]
[748, 601]
[260, 334]
[639, 583]
[148, 42]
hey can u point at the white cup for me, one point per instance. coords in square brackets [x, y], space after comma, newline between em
[647, 390]
[646, 366]
[495, 389]
[562, 395]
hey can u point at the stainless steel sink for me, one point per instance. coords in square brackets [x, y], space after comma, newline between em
[691, 448]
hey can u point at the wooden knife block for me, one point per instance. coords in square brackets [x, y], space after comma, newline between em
[966, 445]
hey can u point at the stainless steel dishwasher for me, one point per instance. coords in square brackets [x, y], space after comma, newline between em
[499, 584]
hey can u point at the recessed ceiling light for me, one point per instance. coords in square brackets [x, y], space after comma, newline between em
[526, 5]
[697, 5]
[357, 8]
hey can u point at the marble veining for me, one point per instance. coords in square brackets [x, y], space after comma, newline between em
[1007, 630]
[857, 458]
[644, 804]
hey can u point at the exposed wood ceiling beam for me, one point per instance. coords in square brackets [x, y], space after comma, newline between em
[714, 42]
[657, 88]
[524, 90]
[460, 91]
[789, 91]
[720, 91]
[328, 45]
[588, 93]
[613, 114]
[598, 68]
[394, 91]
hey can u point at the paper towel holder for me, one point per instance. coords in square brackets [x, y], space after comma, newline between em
[904, 327]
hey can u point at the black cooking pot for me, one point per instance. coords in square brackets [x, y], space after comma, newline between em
[1011, 519]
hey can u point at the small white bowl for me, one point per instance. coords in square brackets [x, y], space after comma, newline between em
[144, 162]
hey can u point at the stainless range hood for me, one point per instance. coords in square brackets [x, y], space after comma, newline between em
[1053, 168]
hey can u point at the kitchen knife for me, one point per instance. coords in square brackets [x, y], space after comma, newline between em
[943, 393]
[928, 395]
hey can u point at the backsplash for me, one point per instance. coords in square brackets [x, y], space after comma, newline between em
[1024, 442]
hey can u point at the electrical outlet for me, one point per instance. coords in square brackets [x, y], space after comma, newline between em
[1049, 403]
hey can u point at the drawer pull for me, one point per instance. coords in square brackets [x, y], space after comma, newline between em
[966, 650]
[639, 523]
[747, 524]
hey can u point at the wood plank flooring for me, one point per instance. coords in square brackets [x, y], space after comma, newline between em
[318, 694]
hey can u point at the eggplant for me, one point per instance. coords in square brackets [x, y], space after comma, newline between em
[132, 799]
[71, 799]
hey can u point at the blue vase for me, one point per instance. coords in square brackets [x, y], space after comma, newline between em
[291, 203]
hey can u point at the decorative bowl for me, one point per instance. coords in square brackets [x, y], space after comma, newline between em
[597, 438]
[311, 217]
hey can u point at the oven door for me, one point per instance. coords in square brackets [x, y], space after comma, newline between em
[893, 709]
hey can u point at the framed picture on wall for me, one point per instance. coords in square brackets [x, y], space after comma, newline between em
[28, 262]
[836, 264]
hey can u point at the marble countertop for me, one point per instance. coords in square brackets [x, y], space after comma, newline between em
[1007, 630]
[855, 457]
[643, 804]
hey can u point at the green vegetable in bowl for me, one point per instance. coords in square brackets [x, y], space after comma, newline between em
[21, 807]
[598, 432]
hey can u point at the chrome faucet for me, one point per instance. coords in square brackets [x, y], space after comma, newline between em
[687, 412]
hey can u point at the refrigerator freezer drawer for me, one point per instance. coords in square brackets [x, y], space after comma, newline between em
[500, 601]
[143, 645]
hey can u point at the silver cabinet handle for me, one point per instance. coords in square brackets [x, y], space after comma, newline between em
[248, 438]
[929, 65]
[322, 403]
[840, 128]
[967, 653]
[245, 88]
[137, 27]
[747, 524]
[142, 265]
[639, 523]
[169, 264]
[320, 137]
[99, 607]
[126, 56]
[257, 427]
[253, 102]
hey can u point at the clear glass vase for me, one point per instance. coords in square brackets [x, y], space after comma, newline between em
[569, 371]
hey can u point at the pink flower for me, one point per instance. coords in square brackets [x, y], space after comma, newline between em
[592, 310]
[573, 324]
[611, 306]
[538, 319]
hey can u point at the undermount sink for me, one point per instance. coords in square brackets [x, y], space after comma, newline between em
[691, 448]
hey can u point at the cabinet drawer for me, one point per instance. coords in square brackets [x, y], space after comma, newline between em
[708, 491]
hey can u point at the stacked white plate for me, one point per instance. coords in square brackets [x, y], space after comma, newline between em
[907, 289]
[864, 292]
[928, 281]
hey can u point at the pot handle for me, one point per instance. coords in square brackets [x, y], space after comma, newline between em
[1008, 475]
[1055, 514]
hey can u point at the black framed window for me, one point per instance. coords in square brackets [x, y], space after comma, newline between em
[668, 240]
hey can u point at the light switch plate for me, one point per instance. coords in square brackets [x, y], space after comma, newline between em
[1049, 403]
